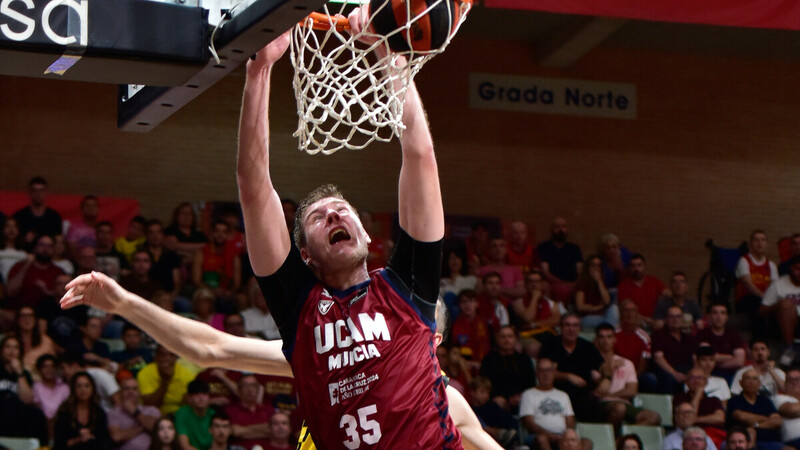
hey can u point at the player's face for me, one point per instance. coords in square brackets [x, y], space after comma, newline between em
[335, 238]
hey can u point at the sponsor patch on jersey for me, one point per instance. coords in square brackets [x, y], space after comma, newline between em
[324, 306]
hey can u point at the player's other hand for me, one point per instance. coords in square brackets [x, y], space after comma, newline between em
[268, 55]
[96, 290]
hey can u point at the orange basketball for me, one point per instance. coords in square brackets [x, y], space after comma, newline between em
[427, 31]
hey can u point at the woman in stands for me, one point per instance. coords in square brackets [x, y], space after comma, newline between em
[81, 424]
[35, 342]
[182, 234]
[18, 416]
[455, 278]
[164, 437]
[592, 300]
[11, 251]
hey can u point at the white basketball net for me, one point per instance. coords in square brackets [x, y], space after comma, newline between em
[345, 97]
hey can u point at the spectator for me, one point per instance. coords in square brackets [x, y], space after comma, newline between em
[133, 239]
[18, 414]
[755, 411]
[772, 378]
[783, 268]
[510, 371]
[379, 249]
[478, 245]
[642, 288]
[692, 314]
[130, 424]
[134, 356]
[279, 432]
[616, 260]
[788, 405]
[729, 347]
[203, 305]
[578, 371]
[521, 252]
[783, 299]
[258, 320]
[31, 281]
[81, 233]
[710, 412]
[51, 390]
[81, 423]
[754, 272]
[633, 343]
[592, 299]
[498, 422]
[11, 251]
[85, 260]
[672, 351]
[571, 440]
[624, 384]
[37, 218]
[216, 267]
[164, 436]
[512, 284]
[453, 363]
[222, 385]
[492, 304]
[695, 439]
[103, 382]
[738, 439]
[221, 432]
[109, 260]
[164, 382]
[469, 331]
[89, 347]
[166, 264]
[561, 262]
[536, 315]
[716, 387]
[234, 324]
[685, 416]
[182, 234]
[140, 280]
[546, 411]
[250, 419]
[455, 278]
[35, 342]
[61, 256]
[630, 442]
[193, 420]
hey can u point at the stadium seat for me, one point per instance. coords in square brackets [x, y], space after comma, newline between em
[18, 443]
[652, 436]
[660, 403]
[601, 434]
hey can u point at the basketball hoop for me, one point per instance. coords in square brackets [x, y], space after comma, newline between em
[350, 93]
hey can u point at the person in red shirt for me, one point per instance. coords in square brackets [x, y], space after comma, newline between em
[633, 343]
[250, 419]
[470, 331]
[279, 430]
[521, 252]
[217, 266]
[642, 288]
[754, 273]
[492, 304]
[30, 281]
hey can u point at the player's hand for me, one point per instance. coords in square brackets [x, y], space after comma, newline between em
[268, 55]
[94, 289]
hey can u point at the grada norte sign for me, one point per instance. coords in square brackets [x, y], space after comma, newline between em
[59, 22]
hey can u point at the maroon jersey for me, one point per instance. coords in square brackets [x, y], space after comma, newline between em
[364, 359]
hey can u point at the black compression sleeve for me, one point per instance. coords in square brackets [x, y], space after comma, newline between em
[418, 265]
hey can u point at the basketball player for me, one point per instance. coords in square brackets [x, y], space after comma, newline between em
[361, 345]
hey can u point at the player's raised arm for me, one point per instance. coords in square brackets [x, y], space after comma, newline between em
[195, 341]
[268, 240]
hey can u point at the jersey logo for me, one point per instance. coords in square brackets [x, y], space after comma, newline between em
[324, 306]
[358, 297]
[333, 390]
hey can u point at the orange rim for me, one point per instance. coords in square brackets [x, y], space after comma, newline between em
[320, 21]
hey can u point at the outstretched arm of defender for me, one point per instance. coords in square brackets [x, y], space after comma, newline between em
[268, 241]
[195, 341]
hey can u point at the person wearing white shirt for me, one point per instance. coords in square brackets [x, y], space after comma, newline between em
[258, 320]
[772, 378]
[788, 405]
[783, 299]
[754, 272]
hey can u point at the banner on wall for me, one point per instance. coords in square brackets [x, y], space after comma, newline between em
[552, 95]
[778, 14]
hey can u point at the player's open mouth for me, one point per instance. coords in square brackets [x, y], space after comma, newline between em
[338, 235]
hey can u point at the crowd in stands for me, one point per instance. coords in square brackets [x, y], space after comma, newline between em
[541, 338]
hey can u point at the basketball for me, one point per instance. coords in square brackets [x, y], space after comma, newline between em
[427, 30]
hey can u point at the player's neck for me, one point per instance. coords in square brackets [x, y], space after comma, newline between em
[341, 280]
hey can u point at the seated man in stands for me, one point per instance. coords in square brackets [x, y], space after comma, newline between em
[280, 431]
[193, 420]
[470, 331]
[89, 347]
[492, 304]
[139, 280]
[624, 384]
[788, 405]
[109, 260]
[679, 289]
[755, 273]
[130, 423]
[30, 281]
[166, 264]
[164, 382]
[510, 371]
[772, 378]
[250, 419]
[642, 288]
[782, 298]
[717, 387]
[134, 356]
[133, 239]
[512, 284]
[672, 351]
[216, 265]
[634, 344]
[695, 439]
[738, 439]
[546, 412]
[258, 320]
[756, 412]
[536, 315]
[37, 218]
[728, 345]
[710, 412]
[685, 417]
[561, 262]
[81, 233]
[521, 252]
